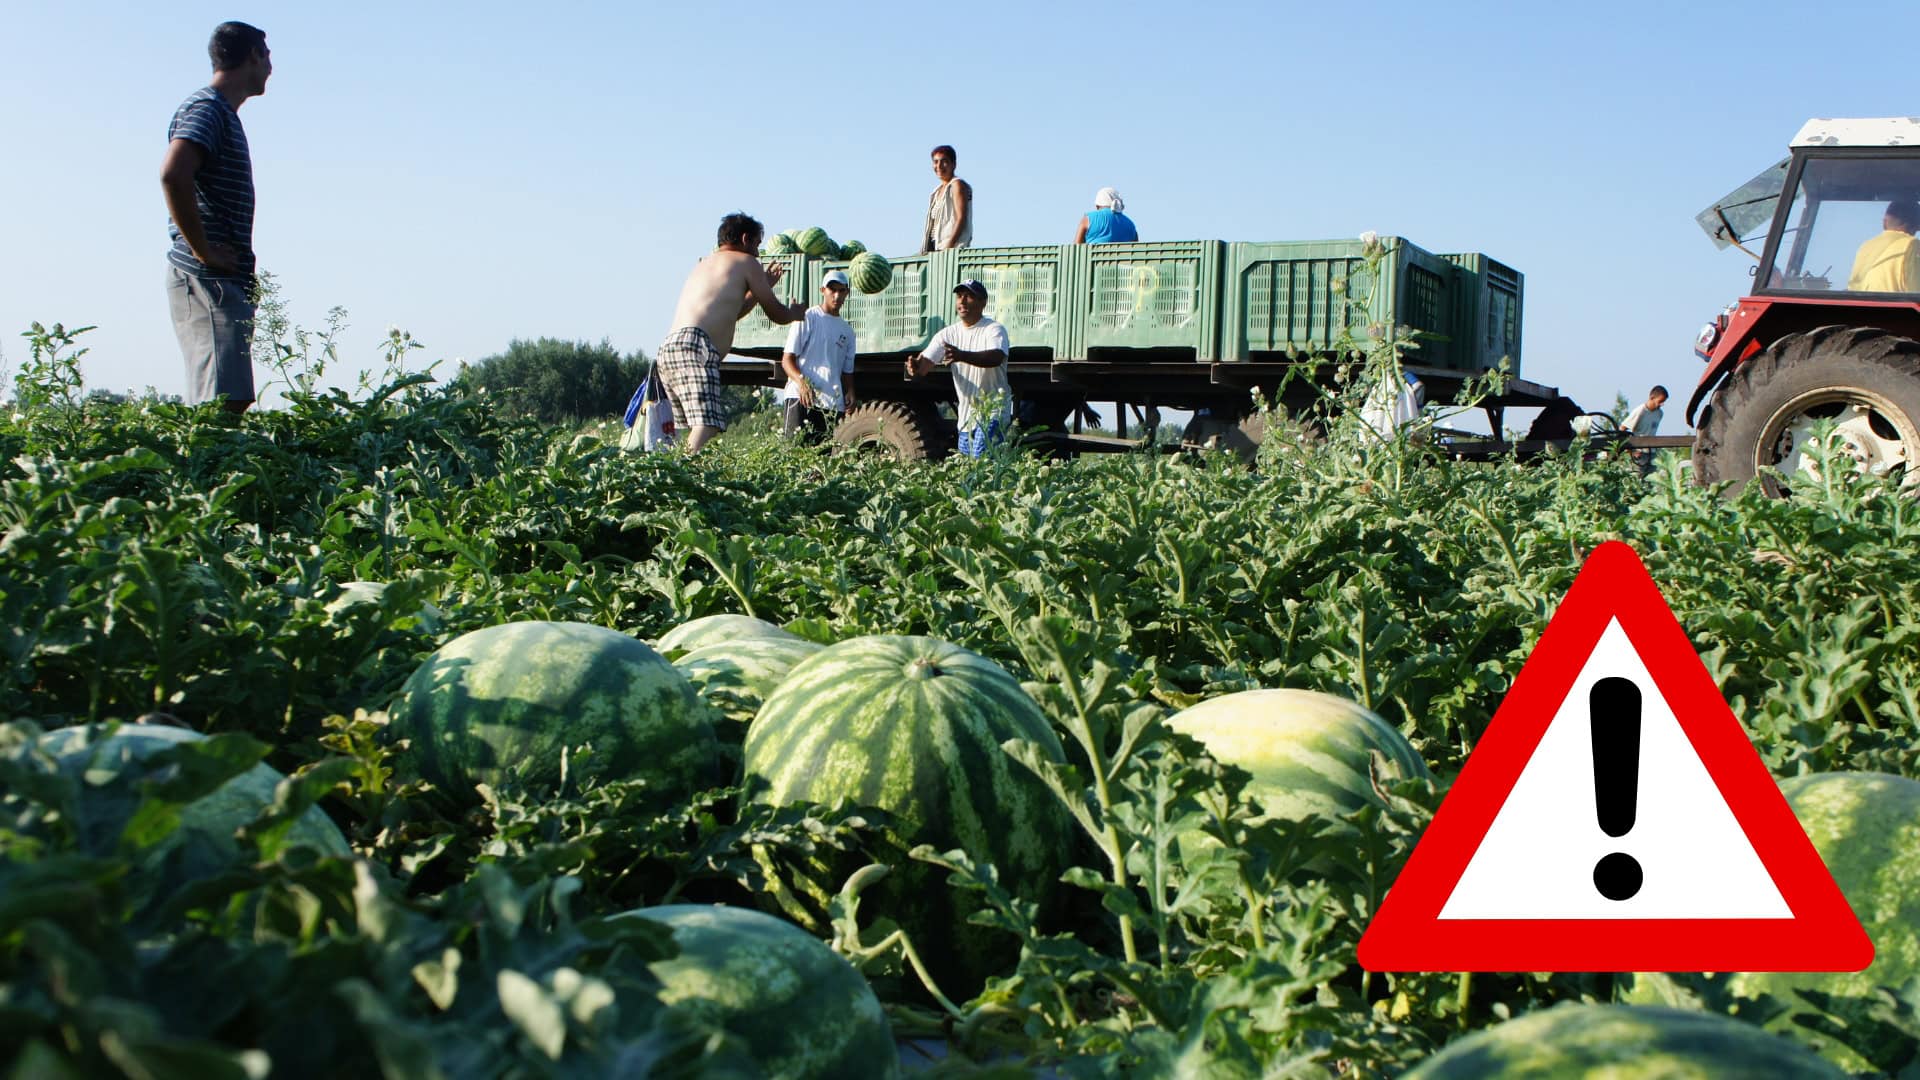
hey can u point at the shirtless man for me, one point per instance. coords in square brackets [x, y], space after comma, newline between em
[722, 289]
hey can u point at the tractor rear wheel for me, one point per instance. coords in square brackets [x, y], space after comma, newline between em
[891, 427]
[1866, 381]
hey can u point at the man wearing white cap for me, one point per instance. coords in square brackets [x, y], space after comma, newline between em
[1106, 224]
[818, 361]
[975, 349]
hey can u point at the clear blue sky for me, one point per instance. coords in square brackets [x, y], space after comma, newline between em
[484, 171]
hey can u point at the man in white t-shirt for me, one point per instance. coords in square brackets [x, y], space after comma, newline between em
[975, 349]
[1645, 418]
[818, 361]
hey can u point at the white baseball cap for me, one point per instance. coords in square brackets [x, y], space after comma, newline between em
[837, 277]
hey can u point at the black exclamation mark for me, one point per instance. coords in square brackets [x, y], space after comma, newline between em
[1613, 707]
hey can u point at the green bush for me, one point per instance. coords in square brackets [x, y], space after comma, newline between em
[554, 381]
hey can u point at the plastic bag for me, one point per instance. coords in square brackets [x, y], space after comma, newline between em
[649, 419]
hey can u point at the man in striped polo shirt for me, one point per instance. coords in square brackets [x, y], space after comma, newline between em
[207, 178]
[975, 350]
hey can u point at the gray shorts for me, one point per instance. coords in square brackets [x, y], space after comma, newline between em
[213, 319]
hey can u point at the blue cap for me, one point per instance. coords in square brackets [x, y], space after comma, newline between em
[973, 286]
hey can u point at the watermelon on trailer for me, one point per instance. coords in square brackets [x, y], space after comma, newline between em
[1308, 752]
[1623, 1042]
[501, 706]
[913, 726]
[814, 241]
[111, 769]
[735, 677]
[870, 272]
[782, 244]
[851, 248]
[1866, 827]
[714, 629]
[801, 1009]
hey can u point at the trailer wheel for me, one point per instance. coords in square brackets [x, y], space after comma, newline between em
[1246, 436]
[1867, 381]
[890, 427]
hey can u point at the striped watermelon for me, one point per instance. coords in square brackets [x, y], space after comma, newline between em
[814, 241]
[802, 1011]
[1866, 827]
[851, 248]
[1622, 1042]
[734, 677]
[1307, 751]
[713, 629]
[503, 705]
[782, 244]
[870, 272]
[913, 726]
[111, 769]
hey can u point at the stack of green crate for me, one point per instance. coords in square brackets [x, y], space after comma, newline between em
[1488, 306]
[1030, 291]
[756, 331]
[1155, 296]
[902, 316]
[1201, 300]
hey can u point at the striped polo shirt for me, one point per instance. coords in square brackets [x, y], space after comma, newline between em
[223, 188]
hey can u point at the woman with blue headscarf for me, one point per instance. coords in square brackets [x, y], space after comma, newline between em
[1106, 224]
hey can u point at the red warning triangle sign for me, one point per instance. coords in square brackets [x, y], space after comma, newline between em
[1614, 817]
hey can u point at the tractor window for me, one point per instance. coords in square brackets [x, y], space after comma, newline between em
[1841, 206]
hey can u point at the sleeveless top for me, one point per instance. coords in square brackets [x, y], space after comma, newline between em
[1110, 227]
[940, 215]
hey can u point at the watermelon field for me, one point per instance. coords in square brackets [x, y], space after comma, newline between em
[385, 734]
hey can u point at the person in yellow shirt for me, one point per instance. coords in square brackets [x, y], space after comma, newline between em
[1890, 262]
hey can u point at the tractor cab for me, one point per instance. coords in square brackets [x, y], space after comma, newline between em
[1831, 327]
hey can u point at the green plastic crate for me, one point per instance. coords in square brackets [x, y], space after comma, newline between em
[756, 331]
[1300, 296]
[1029, 291]
[1161, 295]
[1489, 302]
[901, 316]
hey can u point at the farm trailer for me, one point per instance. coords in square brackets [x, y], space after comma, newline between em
[1198, 325]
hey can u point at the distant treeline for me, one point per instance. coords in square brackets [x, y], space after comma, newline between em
[569, 382]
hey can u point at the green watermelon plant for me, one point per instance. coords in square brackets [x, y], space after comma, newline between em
[156, 557]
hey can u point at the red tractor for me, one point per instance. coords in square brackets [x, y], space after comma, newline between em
[1832, 327]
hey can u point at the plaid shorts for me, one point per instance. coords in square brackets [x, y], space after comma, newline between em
[689, 368]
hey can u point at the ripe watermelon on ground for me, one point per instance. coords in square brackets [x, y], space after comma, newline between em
[913, 726]
[802, 1011]
[1866, 827]
[870, 272]
[814, 241]
[1623, 1042]
[111, 768]
[1308, 752]
[735, 677]
[503, 705]
[715, 629]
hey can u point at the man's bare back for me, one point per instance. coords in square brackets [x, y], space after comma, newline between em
[720, 291]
